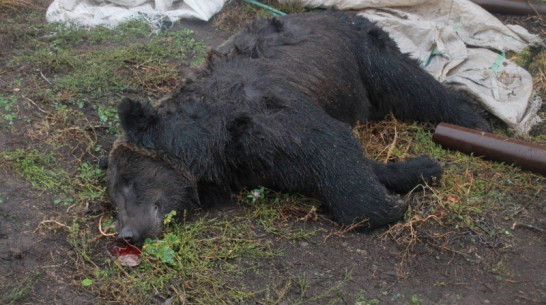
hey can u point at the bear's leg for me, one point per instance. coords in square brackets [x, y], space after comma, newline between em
[403, 177]
[356, 195]
[397, 84]
[303, 150]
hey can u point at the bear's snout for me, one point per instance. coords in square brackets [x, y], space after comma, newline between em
[128, 235]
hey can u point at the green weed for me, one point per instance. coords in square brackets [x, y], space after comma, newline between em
[7, 109]
[415, 300]
[109, 117]
[86, 182]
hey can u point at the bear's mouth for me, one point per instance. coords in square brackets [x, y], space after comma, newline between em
[127, 254]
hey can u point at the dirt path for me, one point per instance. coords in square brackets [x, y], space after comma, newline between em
[36, 261]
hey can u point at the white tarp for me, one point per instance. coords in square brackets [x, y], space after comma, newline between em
[112, 12]
[460, 44]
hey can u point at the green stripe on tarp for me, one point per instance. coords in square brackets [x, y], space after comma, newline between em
[495, 66]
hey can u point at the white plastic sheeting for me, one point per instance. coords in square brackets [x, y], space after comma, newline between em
[112, 12]
[460, 44]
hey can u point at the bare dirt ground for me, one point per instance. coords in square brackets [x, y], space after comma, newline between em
[42, 256]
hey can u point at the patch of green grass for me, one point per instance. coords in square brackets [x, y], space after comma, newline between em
[200, 262]
[62, 36]
[109, 117]
[41, 170]
[7, 109]
[14, 292]
[276, 212]
[44, 172]
[105, 62]
[368, 302]
[415, 300]
[86, 182]
[194, 261]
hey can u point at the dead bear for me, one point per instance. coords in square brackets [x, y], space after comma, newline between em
[274, 106]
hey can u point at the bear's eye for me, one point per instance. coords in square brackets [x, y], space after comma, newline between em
[156, 208]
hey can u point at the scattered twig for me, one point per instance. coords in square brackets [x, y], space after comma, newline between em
[121, 268]
[345, 229]
[181, 297]
[103, 233]
[527, 299]
[449, 249]
[532, 6]
[231, 239]
[51, 222]
[312, 214]
[34, 103]
[527, 226]
[45, 78]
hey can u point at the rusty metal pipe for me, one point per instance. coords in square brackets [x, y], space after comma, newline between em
[529, 156]
[513, 7]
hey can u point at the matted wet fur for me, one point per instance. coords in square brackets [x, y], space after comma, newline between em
[274, 106]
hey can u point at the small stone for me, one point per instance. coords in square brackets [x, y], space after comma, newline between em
[362, 252]
[16, 253]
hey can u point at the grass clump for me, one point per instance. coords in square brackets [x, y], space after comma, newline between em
[94, 63]
[7, 110]
[194, 262]
[12, 5]
[276, 212]
[41, 170]
[235, 14]
[44, 172]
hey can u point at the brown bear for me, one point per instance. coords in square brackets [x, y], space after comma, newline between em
[274, 107]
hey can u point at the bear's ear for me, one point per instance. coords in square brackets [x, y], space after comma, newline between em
[136, 118]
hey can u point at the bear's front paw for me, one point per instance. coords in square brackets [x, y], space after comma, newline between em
[430, 170]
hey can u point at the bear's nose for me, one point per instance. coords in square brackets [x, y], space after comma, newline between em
[126, 235]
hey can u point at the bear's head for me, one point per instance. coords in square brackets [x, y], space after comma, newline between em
[144, 188]
[148, 177]
[144, 184]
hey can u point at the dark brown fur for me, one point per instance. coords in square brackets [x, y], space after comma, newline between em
[273, 106]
